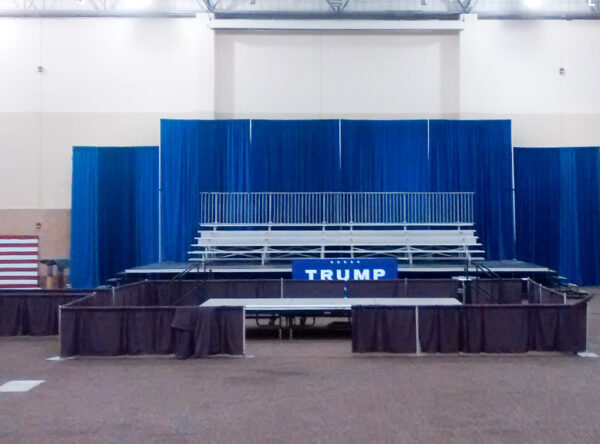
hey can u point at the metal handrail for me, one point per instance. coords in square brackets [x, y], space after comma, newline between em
[488, 271]
[336, 208]
[491, 274]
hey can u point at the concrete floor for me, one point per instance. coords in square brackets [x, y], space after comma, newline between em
[306, 390]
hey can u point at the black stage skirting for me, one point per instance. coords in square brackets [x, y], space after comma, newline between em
[205, 331]
[470, 328]
[147, 318]
[164, 317]
[33, 312]
[481, 291]
[189, 332]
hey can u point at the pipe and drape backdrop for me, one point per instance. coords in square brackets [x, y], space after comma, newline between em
[114, 215]
[558, 210]
[336, 155]
[110, 231]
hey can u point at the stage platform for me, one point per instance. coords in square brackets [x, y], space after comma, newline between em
[507, 268]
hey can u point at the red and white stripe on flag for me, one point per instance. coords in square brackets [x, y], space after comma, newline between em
[18, 262]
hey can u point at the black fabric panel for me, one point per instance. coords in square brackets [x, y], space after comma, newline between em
[532, 293]
[558, 328]
[166, 293]
[551, 297]
[432, 288]
[32, 313]
[383, 329]
[242, 289]
[439, 329]
[68, 339]
[495, 329]
[377, 289]
[572, 327]
[141, 332]
[102, 332]
[471, 329]
[93, 300]
[164, 337]
[543, 328]
[482, 291]
[111, 332]
[11, 309]
[313, 289]
[513, 291]
[129, 295]
[191, 298]
[505, 329]
[188, 293]
[205, 331]
[233, 326]
[538, 294]
[206, 340]
[40, 316]
[496, 291]
[367, 330]
[399, 325]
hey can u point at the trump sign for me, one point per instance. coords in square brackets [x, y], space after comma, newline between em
[344, 269]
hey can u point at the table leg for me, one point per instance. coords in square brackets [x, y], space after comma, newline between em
[280, 329]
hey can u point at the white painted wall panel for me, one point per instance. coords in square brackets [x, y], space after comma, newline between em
[268, 73]
[126, 65]
[109, 81]
[388, 74]
[20, 84]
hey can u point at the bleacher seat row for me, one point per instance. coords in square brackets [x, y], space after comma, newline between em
[283, 245]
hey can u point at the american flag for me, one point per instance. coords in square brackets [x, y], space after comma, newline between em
[18, 262]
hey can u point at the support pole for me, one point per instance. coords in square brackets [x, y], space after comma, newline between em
[244, 330]
[587, 353]
[417, 339]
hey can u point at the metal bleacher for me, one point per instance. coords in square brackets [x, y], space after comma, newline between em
[275, 227]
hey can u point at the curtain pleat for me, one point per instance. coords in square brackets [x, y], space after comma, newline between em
[558, 210]
[114, 212]
[475, 156]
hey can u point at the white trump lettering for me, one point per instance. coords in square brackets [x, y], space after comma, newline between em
[361, 275]
[345, 277]
[326, 275]
[311, 274]
[377, 273]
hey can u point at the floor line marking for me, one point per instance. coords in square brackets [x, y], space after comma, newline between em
[19, 386]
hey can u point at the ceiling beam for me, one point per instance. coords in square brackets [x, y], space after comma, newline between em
[206, 4]
[466, 5]
[336, 24]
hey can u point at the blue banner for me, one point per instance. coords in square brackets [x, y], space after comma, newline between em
[344, 269]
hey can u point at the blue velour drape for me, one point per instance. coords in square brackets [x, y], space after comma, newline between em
[197, 155]
[334, 155]
[384, 155]
[558, 210]
[475, 155]
[114, 213]
[295, 155]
